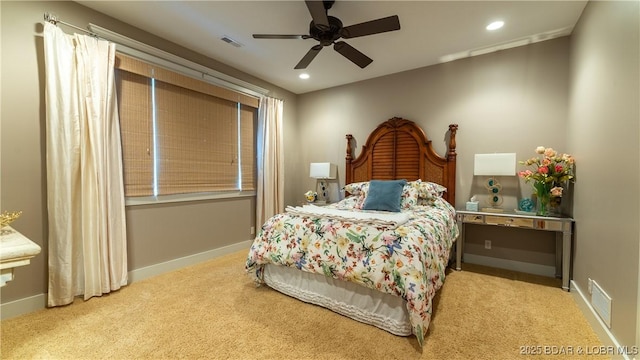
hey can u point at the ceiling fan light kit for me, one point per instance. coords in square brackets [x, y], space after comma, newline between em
[327, 30]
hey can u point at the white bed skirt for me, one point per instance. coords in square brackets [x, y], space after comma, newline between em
[386, 311]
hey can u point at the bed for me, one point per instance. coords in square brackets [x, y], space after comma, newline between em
[371, 256]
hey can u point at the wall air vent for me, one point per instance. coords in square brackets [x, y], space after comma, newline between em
[601, 302]
[229, 40]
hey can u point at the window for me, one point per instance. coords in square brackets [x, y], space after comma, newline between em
[183, 135]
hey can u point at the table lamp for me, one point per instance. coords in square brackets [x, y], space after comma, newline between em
[322, 172]
[494, 165]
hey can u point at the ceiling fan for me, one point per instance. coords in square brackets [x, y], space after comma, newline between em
[328, 29]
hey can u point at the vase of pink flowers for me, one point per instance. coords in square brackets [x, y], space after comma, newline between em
[549, 173]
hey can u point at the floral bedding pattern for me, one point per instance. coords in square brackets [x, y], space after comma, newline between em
[407, 261]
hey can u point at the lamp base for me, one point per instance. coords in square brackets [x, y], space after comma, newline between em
[492, 210]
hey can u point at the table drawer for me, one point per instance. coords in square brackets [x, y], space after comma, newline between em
[473, 219]
[552, 225]
[509, 221]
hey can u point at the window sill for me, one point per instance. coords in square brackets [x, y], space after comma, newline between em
[163, 199]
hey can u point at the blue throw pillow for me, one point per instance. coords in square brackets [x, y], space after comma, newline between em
[384, 195]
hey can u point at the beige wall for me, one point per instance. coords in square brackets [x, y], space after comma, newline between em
[603, 130]
[509, 101]
[501, 101]
[156, 233]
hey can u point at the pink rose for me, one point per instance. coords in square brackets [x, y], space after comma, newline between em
[543, 170]
[525, 173]
[559, 168]
[556, 191]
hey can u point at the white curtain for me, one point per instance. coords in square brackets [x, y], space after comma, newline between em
[85, 192]
[270, 197]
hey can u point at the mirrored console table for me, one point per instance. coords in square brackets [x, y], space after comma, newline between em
[562, 226]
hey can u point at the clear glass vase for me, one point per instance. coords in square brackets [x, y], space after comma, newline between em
[543, 205]
[543, 196]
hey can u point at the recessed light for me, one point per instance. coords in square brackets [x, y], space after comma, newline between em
[495, 25]
[303, 76]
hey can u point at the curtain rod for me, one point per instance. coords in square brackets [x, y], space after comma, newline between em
[203, 71]
[54, 20]
[259, 92]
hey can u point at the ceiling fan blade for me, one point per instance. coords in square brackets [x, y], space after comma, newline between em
[352, 54]
[318, 13]
[381, 25]
[277, 36]
[311, 54]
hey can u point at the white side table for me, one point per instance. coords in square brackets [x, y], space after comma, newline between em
[15, 250]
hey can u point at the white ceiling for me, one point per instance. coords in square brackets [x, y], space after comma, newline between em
[431, 31]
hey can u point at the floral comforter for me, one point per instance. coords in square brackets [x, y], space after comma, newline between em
[407, 261]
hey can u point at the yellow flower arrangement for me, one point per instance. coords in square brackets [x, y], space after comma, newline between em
[7, 217]
[311, 196]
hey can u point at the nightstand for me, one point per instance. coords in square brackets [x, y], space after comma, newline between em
[317, 203]
[562, 226]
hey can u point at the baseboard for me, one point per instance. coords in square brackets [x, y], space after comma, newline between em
[529, 268]
[23, 306]
[175, 264]
[37, 302]
[599, 327]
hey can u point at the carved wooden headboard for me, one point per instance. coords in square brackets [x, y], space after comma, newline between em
[399, 149]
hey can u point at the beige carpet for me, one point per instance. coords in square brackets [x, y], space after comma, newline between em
[213, 311]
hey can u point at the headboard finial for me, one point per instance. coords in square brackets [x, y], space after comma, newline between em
[453, 128]
[349, 156]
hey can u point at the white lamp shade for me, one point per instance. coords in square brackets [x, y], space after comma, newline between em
[322, 171]
[495, 164]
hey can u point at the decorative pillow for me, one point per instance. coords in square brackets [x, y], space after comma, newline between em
[384, 195]
[361, 198]
[349, 203]
[410, 196]
[434, 189]
[356, 188]
[429, 201]
[428, 190]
